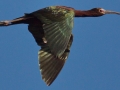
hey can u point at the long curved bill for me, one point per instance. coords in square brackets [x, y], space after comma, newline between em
[111, 12]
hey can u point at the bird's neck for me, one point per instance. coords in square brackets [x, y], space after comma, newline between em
[88, 13]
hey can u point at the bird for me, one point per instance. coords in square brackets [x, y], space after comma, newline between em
[51, 28]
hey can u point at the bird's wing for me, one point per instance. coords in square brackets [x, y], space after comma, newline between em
[50, 65]
[57, 26]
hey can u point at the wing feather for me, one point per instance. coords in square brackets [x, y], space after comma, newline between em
[50, 65]
[57, 26]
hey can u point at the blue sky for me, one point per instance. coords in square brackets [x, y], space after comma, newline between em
[94, 61]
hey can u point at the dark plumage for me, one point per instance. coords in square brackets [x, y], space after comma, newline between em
[52, 29]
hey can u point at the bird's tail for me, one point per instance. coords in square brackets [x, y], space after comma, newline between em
[24, 19]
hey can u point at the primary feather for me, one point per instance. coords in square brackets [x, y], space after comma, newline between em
[50, 65]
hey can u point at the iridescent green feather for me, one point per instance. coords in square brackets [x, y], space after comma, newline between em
[57, 26]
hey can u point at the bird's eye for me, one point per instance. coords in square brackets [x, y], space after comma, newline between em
[101, 10]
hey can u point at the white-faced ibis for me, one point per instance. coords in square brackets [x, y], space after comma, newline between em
[52, 29]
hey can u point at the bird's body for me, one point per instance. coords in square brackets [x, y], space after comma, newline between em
[52, 29]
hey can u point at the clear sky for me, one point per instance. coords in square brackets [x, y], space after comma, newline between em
[94, 61]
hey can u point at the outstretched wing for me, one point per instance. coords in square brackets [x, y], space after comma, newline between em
[50, 65]
[57, 26]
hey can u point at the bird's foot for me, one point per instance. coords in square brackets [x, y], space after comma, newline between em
[4, 23]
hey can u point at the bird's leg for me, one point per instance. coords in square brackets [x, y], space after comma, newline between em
[5, 23]
[11, 22]
[24, 19]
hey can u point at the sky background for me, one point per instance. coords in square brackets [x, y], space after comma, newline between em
[94, 61]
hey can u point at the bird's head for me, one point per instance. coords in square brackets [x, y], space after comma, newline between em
[101, 11]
